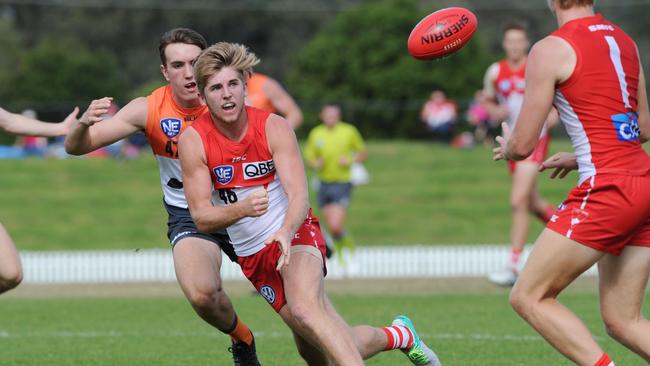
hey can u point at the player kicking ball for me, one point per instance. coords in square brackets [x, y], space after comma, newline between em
[243, 171]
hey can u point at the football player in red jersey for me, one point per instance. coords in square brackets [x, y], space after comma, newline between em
[598, 87]
[504, 86]
[243, 173]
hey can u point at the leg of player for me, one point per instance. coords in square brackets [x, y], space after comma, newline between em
[400, 335]
[623, 280]
[523, 181]
[554, 263]
[335, 217]
[11, 273]
[539, 206]
[306, 313]
[197, 263]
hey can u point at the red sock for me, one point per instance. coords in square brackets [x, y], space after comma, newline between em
[604, 361]
[241, 333]
[513, 263]
[546, 215]
[398, 337]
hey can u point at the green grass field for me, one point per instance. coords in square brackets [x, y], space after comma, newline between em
[465, 329]
[420, 194]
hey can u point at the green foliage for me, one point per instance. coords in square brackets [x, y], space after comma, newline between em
[59, 70]
[360, 60]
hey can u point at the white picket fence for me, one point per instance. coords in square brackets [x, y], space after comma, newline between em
[369, 262]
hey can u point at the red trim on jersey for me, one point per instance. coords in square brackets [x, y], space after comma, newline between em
[246, 163]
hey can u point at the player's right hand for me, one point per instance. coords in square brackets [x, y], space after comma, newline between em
[562, 162]
[256, 204]
[96, 111]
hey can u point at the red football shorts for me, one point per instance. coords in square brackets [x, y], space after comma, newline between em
[538, 156]
[606, 212]
[259, 268]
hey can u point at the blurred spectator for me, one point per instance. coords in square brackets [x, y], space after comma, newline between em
[439, 115]
[31, 145]
[133, 145]
[478, 116]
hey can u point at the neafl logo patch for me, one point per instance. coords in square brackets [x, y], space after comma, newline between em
[224, 173]
[171, 126]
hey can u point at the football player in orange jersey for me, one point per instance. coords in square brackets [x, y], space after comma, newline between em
[163, 116]
[267, 94]
[11, 273]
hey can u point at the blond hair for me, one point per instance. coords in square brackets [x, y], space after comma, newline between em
[220, 55]
[568, 4]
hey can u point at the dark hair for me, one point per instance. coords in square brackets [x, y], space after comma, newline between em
[515, 25]
[180, 35]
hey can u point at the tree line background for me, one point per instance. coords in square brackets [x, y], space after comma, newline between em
[55, 54]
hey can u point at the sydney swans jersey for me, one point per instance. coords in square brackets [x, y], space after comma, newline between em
[166, 121]
[598, 103]
[240, 168]
[507, 85]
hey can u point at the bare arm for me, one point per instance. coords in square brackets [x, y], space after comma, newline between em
[541, 78]
[198, 189]
[17, 124]
[496, 111]
[642, 109]
[92, 132]
[290, 169]
[562, 163]
[283, 102]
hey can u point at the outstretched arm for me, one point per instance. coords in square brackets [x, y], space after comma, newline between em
[17, 124]
[92, 131]
[291, 171]
[198, 189]
[284, 103]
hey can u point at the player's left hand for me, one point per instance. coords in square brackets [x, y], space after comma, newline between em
[70, 120]
[282, 238]
[500, 151]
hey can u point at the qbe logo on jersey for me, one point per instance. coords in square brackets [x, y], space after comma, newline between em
[626, 125]
[268, 293]
[258, 169]
[171, 126]
[224, 173]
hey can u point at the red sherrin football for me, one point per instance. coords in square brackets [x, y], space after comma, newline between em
[442, 33]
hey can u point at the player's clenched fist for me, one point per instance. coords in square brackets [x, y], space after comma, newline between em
[256, 204]
[96, 111]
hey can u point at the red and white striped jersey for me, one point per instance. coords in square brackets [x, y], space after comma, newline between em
[239, 168]
[507, 86]
[598, 102]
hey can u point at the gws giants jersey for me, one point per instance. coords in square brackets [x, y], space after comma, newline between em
[166, 121]
[598, 103]
[240, 168]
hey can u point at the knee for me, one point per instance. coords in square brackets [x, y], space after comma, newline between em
[519, 204]
[11, 279]
[304, 314]
[616, 326]
[203, 298]
[520, 302]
